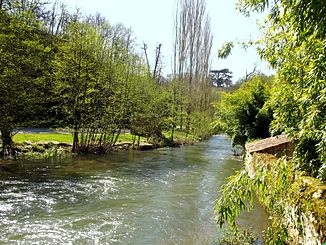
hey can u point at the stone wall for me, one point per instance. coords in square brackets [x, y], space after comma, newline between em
[298, 201]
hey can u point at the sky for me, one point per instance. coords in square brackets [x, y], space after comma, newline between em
[152, 23]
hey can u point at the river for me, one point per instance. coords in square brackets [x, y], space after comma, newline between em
[163, 196]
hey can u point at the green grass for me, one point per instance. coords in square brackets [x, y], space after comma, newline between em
[178, 135]
[128, 138]
[19, 138]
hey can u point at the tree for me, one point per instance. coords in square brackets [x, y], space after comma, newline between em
[76, 67]
[192, 50]
[104, 85]
[294, 44]
[225, 50]
[150, 117]
[221, 78]
[244, 114]
[24, 51]
[176, 103]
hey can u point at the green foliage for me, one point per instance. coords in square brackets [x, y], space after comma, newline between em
[310, 196]
[287, 196]
[80, 72]
[176, 101]
[76, 71]
[243, 114]
[151, 113]
[234, 199]
[53, 152]
[191, 86]
[225, 50]
[239, 190]
[180, 137]
[242, 236]
[40, 153]
[24, 51]
[105, 87]
[246, 6]
[201, 125]
[294, 42]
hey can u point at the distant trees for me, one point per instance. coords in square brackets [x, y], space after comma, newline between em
[221, 78]
[191, 58]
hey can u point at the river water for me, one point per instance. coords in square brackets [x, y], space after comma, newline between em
[163, 196]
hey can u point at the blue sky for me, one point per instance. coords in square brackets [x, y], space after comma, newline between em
[152, 23]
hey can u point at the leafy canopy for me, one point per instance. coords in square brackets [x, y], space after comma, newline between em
[294, 42]
[243, 113]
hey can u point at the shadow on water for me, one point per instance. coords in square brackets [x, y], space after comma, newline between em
[164, 196]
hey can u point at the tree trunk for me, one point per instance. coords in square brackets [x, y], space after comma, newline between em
[116, 137]
[7, 143]
[77, 116]
[75, 140]
[172, 133]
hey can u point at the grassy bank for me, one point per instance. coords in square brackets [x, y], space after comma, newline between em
[42, 145]
[20, 138]
[67, 138]
[179, 137]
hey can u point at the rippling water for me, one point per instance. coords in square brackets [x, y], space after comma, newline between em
[164, 196]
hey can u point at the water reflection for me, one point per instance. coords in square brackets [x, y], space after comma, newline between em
[163, 196]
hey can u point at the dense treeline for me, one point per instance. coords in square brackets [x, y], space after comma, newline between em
[294, 43]
[71, 70]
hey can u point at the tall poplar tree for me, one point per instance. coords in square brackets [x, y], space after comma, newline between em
[191, 58]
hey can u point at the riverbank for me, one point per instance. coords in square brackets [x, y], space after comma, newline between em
[46, 143]
[297, 203]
